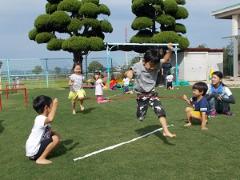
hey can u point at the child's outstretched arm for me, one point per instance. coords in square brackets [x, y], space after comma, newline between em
[70, 82]
[185, 98]
[168, 55]
[51, 115]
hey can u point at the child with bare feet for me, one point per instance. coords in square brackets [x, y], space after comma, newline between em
[77, 93]
[42, 140]
[145, 74]
[200, 107]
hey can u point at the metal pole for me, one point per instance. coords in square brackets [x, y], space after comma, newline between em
[8, 72]
[86, 65]
[176, 56]
[108, 69]
[46, 72]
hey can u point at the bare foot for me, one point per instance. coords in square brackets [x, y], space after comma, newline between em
[82, 107]
[169, 135]
[204, 128]
[43, 161]
[188, 125]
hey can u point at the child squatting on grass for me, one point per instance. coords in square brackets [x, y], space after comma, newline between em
[200, 107]
[145, 73]
[42, 140]
[76, 93]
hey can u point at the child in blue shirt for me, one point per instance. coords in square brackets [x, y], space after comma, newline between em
[200, 107]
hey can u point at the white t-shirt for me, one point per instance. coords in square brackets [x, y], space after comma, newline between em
[98, 87]
[126, 81]
[77, 82]
[33, 141]
[169, 78]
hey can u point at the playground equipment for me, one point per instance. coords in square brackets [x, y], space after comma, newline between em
[12, 88]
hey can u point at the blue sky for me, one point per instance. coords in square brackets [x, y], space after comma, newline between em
[17, 18]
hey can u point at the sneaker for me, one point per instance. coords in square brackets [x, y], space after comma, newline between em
[213, 113]
[228, 113]
[74, 112]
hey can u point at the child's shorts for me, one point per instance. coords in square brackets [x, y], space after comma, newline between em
[169, 84]
[125, 89]
[79, 94]
[195, 114]
[149, 99]
[45, 141]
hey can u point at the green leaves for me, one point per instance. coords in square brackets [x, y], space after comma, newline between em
[32, 34]
[69, 6]
[77, 44]
[166, 20]
[44, 37]
[156, 21]
[59, 20]
[144, 36]
[55, 44]
[106, 26]
[89, 10]
[181, 13]
[171, 36]
[75, 25]
[142, 23]
[103, 9]
[42, 23]
[170, 6]
[77, 20]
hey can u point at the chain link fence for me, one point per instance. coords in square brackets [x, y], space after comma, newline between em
[41, 73]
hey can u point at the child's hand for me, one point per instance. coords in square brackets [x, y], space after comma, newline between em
[170, 46]
[55, 102]
[184, 97]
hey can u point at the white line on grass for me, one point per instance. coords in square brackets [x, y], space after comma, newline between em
[118, 145]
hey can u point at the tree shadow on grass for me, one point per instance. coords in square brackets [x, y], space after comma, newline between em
[1, 126]
[151, 128]
[63, 148]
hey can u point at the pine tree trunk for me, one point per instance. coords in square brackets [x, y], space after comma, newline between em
[78, 58]
[154, 27]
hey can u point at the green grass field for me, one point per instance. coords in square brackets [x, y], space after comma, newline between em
[194, 154]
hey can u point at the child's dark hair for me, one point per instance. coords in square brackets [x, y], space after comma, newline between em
[218, 74]
[97, 73]
[201, 87]
[152, 55]
[40, 102]
[76, 64]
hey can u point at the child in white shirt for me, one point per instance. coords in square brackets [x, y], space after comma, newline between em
[99, 88]
[76, 93]
[42, 140]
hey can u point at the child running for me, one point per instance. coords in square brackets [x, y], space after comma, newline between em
[145, 73]
[42, 140]
[200, 108]
[76, 93]
[99, 89]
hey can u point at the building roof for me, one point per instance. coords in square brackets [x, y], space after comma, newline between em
[202, 50]
[227, 12]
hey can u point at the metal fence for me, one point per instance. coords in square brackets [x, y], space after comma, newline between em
[40, 73]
